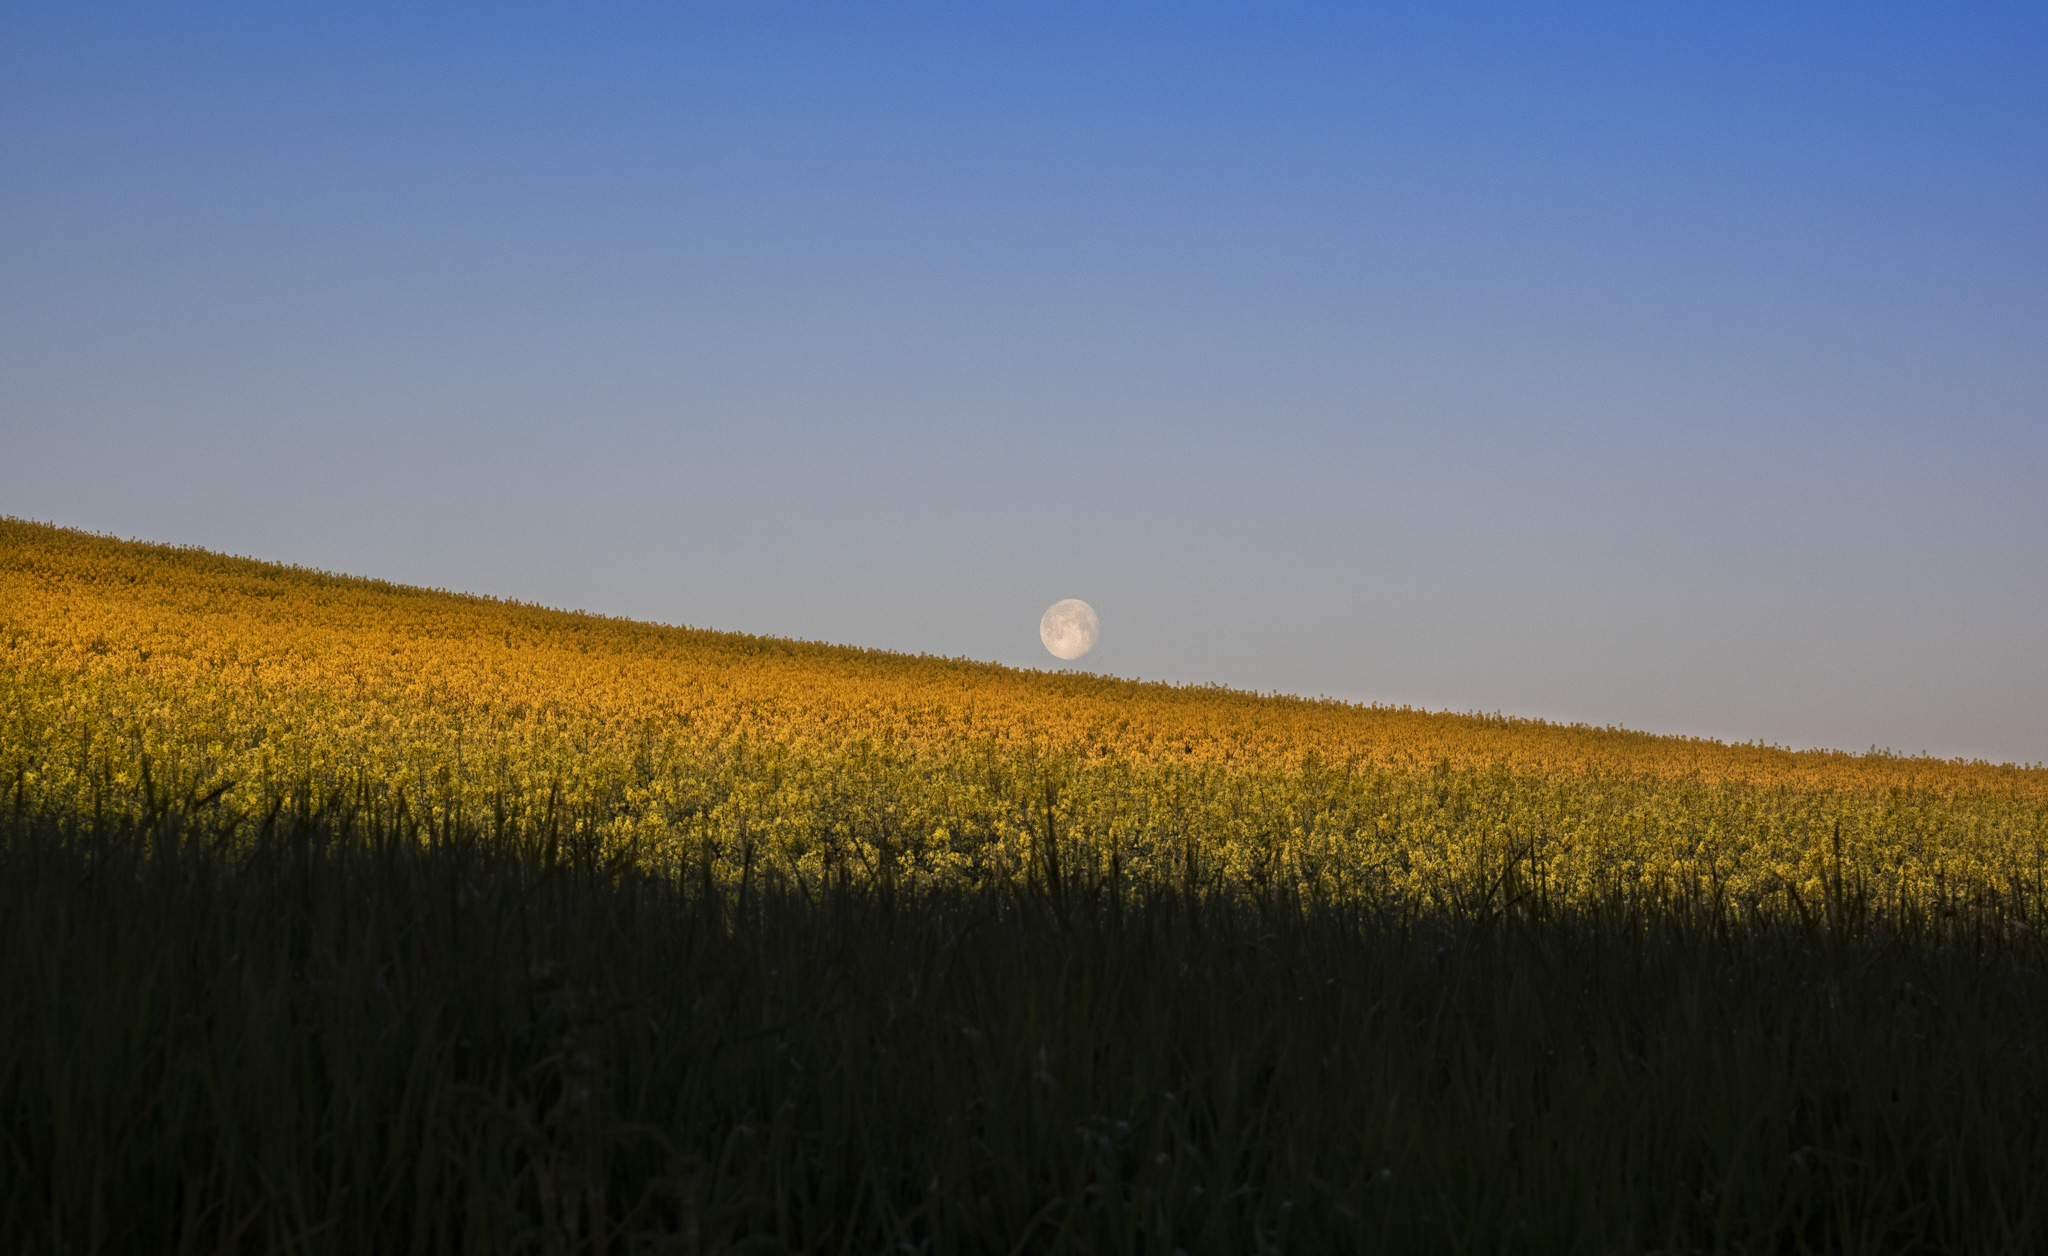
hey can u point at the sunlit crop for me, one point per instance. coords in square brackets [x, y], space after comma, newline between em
[134, 675]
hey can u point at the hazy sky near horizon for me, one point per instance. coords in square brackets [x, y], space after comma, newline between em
[1680, 366]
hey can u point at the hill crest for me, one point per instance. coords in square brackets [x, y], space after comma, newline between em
[75, 600]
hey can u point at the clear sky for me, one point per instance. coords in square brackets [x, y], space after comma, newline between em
[1680, 366]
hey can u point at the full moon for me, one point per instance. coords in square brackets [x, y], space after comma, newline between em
[1069, 628]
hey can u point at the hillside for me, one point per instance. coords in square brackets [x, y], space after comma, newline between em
[188, 620]
[132, 672]
[342, 916]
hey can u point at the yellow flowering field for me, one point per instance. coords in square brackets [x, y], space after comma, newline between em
[141, 676]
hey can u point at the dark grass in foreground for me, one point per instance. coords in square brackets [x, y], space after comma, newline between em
[315, 1045]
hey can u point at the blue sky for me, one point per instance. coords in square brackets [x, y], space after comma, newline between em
[1676, 366]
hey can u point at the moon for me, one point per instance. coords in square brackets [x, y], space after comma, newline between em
[1069, 628]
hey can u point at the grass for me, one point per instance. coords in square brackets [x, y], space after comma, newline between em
[314, 1032]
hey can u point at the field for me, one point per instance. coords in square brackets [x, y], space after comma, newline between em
[341, 916]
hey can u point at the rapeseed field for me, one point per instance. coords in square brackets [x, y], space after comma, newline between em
[338, 917]
[136, 675]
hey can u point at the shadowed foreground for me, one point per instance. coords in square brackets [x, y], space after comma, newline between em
[300, 1041]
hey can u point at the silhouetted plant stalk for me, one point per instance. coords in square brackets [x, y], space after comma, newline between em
[345, 1023]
